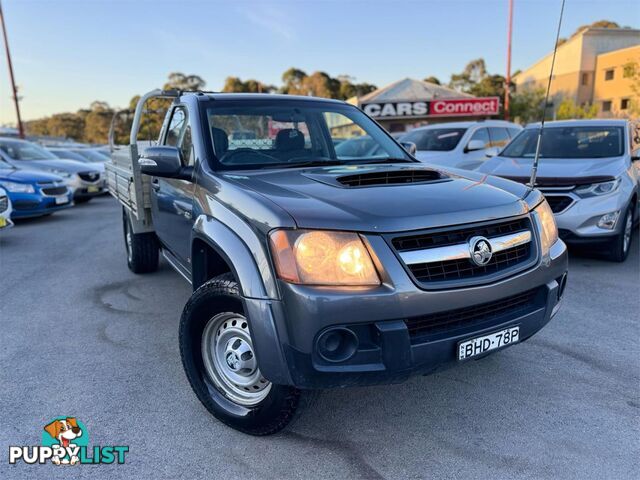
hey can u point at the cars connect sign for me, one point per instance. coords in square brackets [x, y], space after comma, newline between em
[459, 107]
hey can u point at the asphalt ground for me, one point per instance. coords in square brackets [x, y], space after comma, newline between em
[83, 336]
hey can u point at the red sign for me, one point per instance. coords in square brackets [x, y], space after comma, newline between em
[464, 107]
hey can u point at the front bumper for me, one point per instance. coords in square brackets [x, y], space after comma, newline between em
[84, 189]
[579, 222]
[379, 317]
[27, 205]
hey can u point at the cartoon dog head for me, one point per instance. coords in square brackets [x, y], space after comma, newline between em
[64, 430]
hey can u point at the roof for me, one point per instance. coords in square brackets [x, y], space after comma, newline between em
[409, 89]
[610, 122]
[260, 96]
[488, 123]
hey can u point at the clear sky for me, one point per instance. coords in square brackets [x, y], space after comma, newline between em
[67, 53]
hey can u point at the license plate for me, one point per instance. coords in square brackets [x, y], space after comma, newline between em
[493, 341]
[93, 189]
[62, 199]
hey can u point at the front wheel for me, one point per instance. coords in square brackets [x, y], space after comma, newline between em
[219, 360]
[621, 244]
[143, 249]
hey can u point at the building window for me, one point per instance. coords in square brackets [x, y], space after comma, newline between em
[608, 74]
[606, 106]
[585, 79]
[624, 104]
[629, 70]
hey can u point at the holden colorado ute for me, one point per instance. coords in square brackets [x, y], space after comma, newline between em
[311, 269]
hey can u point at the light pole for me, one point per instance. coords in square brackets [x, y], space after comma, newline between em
[507, 89]
[13, 80]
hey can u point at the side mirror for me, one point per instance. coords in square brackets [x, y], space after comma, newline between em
[409, 147]
[164, 161]
[635, 158]
[492, 151]
[474, 145]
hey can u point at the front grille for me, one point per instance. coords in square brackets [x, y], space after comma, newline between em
[441, 272]
[54, 190]
[25, 204]
[462, 269]
[559, 203]
[474, 316]
[459, 235]
[4, 203]
[89, 176]
[388, 178]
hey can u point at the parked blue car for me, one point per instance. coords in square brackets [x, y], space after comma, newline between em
[34, 193]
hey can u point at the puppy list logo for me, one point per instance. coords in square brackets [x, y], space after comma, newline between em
[65, 441]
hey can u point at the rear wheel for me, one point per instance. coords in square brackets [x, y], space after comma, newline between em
[621, 244]
[143, 249]
[219, 360]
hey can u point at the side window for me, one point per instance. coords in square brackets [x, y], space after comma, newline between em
[499, 137]
[179, 135]
[513, 132]
[483, 135]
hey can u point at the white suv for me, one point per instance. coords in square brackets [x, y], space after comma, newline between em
[589, 172]
[461, 144]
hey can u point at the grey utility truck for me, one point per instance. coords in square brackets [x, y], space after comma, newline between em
[314, 269]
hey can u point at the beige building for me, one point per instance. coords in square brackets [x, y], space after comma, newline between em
[615, 74]
[582, 63]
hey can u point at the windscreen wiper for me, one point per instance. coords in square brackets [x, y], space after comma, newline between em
[386, 160]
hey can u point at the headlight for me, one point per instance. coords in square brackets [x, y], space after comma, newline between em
[548, 228]
[317, 257]
[61, 173]
[17, 187]
[596, 189]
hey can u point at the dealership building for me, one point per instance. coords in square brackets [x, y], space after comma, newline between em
[596, 66]
[410, 103]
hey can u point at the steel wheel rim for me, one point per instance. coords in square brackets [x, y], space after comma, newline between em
[128, 240]
[229, 359]
[628, 227]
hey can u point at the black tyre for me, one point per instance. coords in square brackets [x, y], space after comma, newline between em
[82, 200]
[143, 249]
[621, 244]
[218, 358]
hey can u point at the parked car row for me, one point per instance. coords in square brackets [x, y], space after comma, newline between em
[589, 170]
[37, 182]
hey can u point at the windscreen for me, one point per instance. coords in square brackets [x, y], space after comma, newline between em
[20, 150]
[568, 142]
[265, 134]
[435, 139]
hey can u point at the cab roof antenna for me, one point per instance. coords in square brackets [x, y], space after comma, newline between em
[534, 168]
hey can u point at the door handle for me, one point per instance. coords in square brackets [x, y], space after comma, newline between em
[155, 184]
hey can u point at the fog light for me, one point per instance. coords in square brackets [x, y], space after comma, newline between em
[609, 220]
[337, 344]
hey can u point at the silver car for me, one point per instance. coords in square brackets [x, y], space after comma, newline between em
[461, 144]
[589, 172]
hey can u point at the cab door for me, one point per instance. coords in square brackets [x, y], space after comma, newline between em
[172, 199]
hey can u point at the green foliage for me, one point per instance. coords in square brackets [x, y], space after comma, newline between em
[433, 80]
[568, 110]
[526, 106]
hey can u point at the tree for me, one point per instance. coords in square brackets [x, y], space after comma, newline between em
[568, 110]
[527, 105]
[97, 122]
[292, 80]
[433, 80]
[181, 81]
[235, 84]
[632, 71]
[474, 72]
